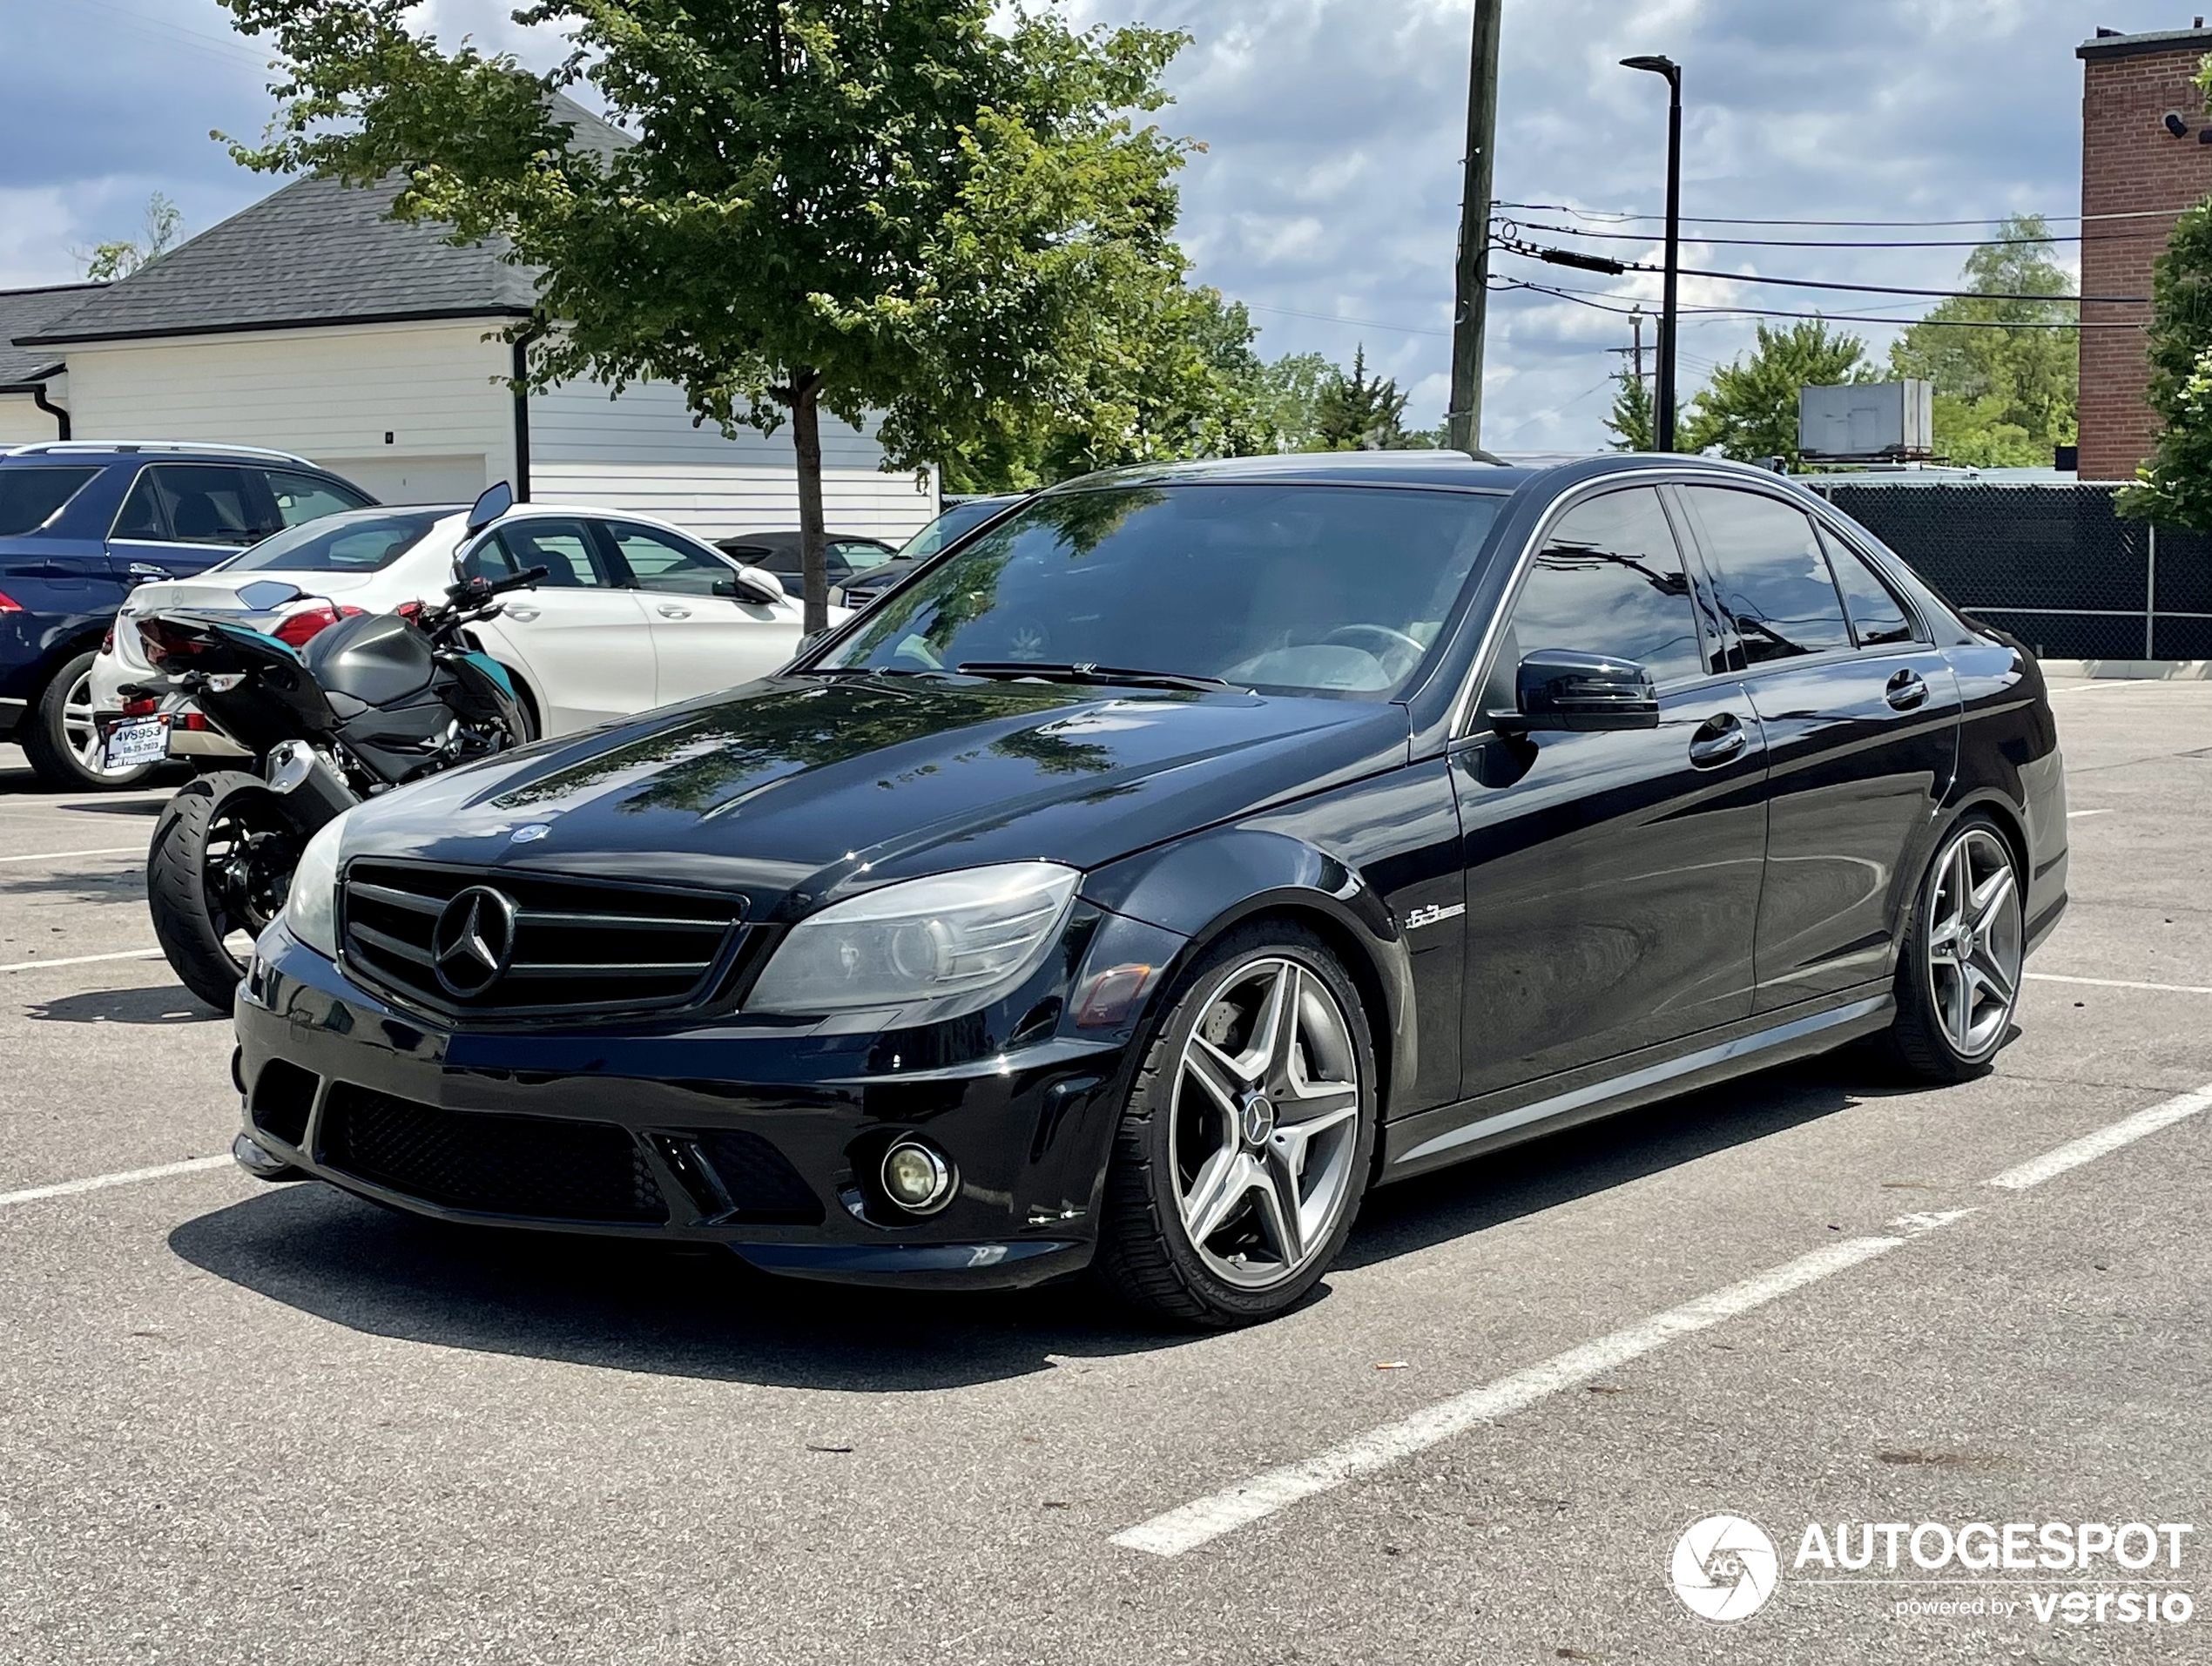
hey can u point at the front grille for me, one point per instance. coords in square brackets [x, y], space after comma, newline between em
[543, 1167]
[283, 1094]
[577, 945]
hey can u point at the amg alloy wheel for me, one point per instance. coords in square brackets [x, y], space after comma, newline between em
[1959, 977]
[1246, 1146]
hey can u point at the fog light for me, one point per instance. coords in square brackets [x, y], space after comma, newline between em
[261, 1163]
[916, 1178]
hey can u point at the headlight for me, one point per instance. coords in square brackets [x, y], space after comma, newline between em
[967, 934]
[310, 907]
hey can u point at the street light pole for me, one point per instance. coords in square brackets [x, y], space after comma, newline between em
[1669, 317]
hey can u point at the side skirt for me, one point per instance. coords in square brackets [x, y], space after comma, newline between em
[1453, 1133]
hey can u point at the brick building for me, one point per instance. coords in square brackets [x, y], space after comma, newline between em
[2136, 175]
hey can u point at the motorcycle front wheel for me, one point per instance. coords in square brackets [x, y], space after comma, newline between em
[221, 862]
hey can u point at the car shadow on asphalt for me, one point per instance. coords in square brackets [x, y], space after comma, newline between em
[1597, 1157]
[693, 1311]
[166, 1004]
[698, 1312]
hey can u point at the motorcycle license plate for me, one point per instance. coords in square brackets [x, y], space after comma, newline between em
[138, 740]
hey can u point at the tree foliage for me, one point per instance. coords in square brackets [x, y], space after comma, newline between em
[164, 224]
[1631, 419]
[955, 219]
[1361, 413]
[2004, 397]
[2175, 486]
[1749, 410]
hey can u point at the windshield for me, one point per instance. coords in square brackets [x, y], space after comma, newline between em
[340, 544]
[1293, 589]
[948, 526]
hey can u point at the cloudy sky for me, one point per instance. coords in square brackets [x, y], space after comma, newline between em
[1328, 198]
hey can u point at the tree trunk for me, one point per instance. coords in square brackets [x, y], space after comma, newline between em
[806, 440]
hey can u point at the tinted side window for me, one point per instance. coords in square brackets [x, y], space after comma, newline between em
[194, 503]
[302, 498]
[31, 497]
[1609, 579]
[660, 563]
[1877, 615]
[562, 548]
[1773, 577]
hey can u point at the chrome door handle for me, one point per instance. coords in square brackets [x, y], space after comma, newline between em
[669, 611]
[1719, 739]
[1905, 690]
[520, 615]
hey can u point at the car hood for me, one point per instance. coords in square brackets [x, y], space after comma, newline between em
[797, 789]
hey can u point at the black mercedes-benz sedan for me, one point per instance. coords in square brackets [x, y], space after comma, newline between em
[1161, 866]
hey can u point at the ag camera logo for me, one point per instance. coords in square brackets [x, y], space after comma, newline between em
[1725, 1568]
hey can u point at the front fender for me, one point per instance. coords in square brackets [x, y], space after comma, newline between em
[1202, 886]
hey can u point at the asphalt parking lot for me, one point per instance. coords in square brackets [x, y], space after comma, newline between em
[247, 1423]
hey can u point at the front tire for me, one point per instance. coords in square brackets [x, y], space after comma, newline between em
[221, 862]
[1244, 1147]
[63, 741]
[1958, 977]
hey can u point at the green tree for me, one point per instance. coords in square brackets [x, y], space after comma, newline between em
[1631, 418]
[1291, 391]
[2175, 486]
[1749, 410]
[955, 219]
[2003, 396]
[105, 262]
[1359, 413]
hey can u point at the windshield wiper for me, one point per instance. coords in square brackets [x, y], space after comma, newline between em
[1048, 670]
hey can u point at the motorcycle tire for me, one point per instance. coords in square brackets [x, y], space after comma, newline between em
[221, 860]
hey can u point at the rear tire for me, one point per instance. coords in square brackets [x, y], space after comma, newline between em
[63, 742]
[1245, 1146]
[222, 858]
[1958, 975]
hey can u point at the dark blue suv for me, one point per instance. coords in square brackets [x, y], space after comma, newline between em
[81, 522]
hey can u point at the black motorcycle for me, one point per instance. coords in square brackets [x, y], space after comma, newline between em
[369, 704]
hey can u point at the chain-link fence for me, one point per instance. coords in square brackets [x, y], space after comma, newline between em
[2051, 563]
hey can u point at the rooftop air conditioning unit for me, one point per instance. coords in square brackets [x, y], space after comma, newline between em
[1867, 422]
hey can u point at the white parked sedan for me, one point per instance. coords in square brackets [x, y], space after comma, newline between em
[632, 613]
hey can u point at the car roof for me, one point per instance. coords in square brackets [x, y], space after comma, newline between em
[1455, 469]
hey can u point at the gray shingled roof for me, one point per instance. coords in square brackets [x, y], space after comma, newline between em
[24, 312]
[315, 252]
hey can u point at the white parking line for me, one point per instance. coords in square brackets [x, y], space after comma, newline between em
[2121, 983]
[62, 855]
[127, 1177]
[84, 960]
[2076, 815]
[1191, 1525]
[2089, 1147]
[2102, 682]
[1188, 1525]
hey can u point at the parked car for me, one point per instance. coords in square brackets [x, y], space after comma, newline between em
[845, 554]
[81, 522]
[957, 519]
[632, 612]
[1196, 848]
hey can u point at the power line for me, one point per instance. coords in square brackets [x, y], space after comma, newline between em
[1832, 243]
[1533, 252]
[1334, 318]
[1587, 298]
[1876, 224]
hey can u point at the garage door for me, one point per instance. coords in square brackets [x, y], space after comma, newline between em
[413, 480]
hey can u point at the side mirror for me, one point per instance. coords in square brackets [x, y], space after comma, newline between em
[752, 584]
[495, 501]
[1565, 688]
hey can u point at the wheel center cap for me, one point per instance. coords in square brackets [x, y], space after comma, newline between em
[1258, 1117]
[1965, 941]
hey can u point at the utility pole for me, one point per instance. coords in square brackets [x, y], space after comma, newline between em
[1471, 277]
[1669, 320]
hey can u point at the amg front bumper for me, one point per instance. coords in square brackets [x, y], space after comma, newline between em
[767, 1138]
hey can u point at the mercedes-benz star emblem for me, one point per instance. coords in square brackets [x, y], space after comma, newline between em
[473, 940]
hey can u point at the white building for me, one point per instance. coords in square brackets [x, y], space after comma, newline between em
[312, 324]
